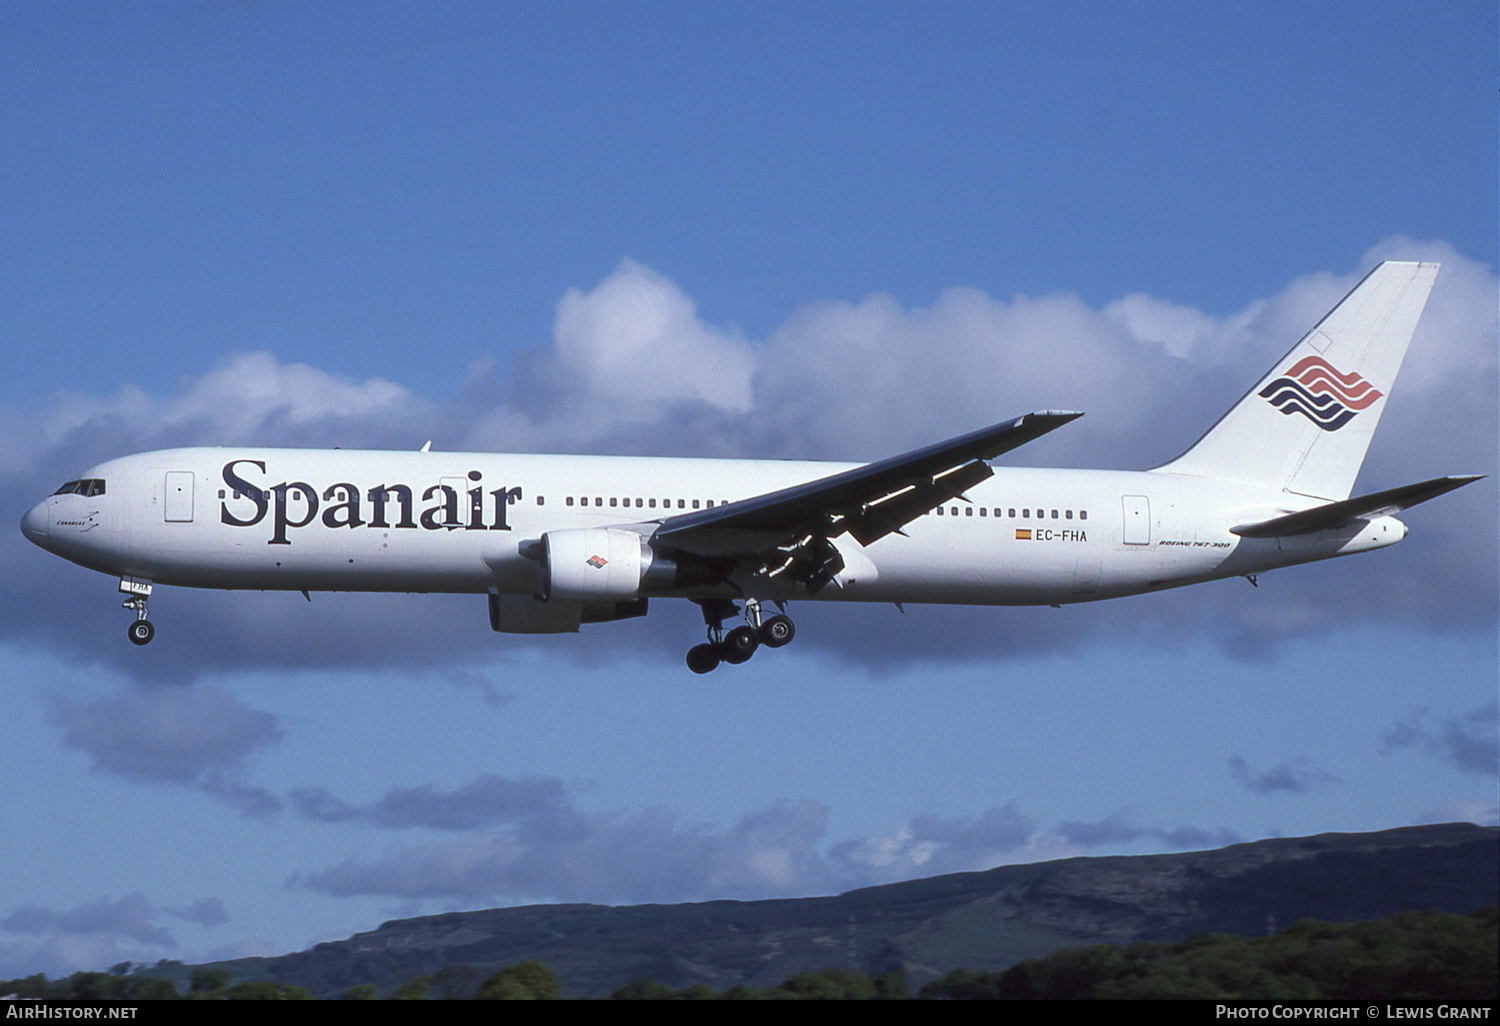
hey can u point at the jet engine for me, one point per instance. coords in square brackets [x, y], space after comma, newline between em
[602, 564]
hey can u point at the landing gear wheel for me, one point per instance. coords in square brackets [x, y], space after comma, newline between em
[739, 645]
[141, 632]
[777, 631]
[703, 658]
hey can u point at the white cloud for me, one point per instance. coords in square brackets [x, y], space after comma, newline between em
[199, 737]
[131, 917]
[487, 801]
[100, 933]
[244, 399]
[779, 851]
[1468, 742]
[1180, 331]
[636, 340]
[1297, 776]
[1482, 811]
[629, 354]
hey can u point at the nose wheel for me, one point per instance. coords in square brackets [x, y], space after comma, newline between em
[739, 644]
[142, 630]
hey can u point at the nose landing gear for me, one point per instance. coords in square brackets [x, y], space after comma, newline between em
[142, 630]
[739, 644]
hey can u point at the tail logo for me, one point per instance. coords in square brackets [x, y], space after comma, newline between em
[1313, 388]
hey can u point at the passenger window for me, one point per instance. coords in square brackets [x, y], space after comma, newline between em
[983, 512]
[968, 511]
[541, 501]
[1054, 514]
[695, 503]
[651, 503]
[639, 503]
[1026, 514]
[1068, 515]
[1083, 514]
[613, 501]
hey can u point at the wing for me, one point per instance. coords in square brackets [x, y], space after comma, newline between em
[789, 530]
[1337, 514]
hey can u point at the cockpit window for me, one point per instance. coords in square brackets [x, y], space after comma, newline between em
[89, 486]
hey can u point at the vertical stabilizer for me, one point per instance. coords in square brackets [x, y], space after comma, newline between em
[1305, 426]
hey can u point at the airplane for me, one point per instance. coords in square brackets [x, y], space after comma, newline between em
[560, 541]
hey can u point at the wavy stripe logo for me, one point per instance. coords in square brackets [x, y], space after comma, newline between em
[1315, 389]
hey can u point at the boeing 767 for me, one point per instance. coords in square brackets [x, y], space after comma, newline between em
[560, 541]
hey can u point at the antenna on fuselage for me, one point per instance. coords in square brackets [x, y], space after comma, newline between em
[426, 446]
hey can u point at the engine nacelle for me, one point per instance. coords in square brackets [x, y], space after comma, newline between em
[604, 564]
[593, 564]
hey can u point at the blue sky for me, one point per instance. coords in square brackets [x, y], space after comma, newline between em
[810, 230]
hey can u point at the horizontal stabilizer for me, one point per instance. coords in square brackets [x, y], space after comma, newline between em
[1337, 514]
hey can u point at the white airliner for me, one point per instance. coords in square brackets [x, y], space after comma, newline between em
[559, 541]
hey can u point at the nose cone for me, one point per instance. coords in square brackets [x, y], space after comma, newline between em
[37, 522]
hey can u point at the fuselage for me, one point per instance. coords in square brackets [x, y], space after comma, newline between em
[350, 520]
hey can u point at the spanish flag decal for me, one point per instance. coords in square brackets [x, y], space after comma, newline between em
[1023, 534]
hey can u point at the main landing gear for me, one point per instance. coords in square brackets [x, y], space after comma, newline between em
[739, 644]
[142, 630]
